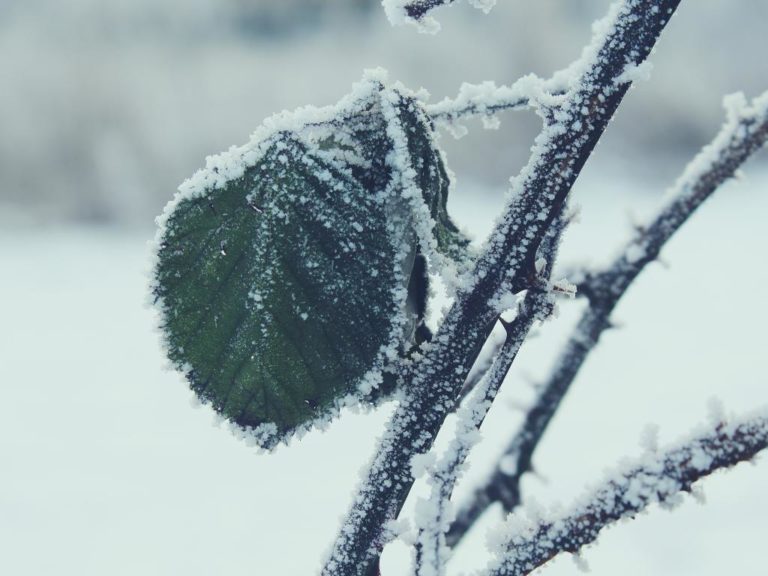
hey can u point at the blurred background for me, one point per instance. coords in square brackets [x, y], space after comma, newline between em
[107, 106]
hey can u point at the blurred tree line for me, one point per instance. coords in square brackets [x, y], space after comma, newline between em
[106, 107]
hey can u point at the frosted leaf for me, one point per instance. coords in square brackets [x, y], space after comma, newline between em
[290, 273]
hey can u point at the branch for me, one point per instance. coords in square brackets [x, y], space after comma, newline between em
[417, 11]
[507, 265]
[487, 99]
[484, 100]
[540, 308]
[744, 132]
[656, 479]
[435, 513]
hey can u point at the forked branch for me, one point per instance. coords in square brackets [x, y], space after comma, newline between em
[435, 513]
[744, 132]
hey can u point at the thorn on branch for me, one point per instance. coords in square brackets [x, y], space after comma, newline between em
[663, 262]
[418, 9]
[507, 326]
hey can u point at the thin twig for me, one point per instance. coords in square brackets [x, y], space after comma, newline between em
[655, 479]
[484, 100]
[418, 9]
[487, 99]
[507, 265]
[745, 131]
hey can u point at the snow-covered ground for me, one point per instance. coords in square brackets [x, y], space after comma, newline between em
[108, 469]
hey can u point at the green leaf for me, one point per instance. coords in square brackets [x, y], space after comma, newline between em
[431, 178]
[287, 287]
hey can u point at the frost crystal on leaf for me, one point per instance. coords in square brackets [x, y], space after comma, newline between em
[291, 272]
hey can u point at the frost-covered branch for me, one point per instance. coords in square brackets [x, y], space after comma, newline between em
[417, 11]
[538, 307]
[485, 100]
[621, 42]
[744, 132]
[657, 478]
[435, 514]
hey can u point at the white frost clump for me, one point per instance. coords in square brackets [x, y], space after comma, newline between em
[422, 463]
[398, 529]
[484, 5]
[636, 72]
[395, 11]
[741, 117]
[634, 253]
[397, 14]
[508, 465]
